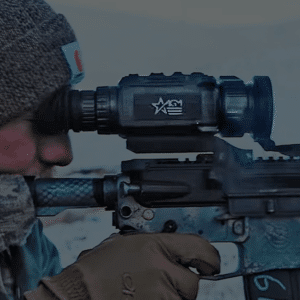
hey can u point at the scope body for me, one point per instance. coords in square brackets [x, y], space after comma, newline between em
[179, 104]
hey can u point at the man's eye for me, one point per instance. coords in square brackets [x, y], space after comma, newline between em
[32, 121]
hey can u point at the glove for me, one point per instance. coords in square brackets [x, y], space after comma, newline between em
[134, 266]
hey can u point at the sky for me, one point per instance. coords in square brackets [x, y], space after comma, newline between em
[213, 12]
[241, 38]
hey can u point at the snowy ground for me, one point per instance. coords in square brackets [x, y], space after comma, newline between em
[77, 230]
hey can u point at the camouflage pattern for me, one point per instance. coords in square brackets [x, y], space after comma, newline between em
[26, 255]
[7, 279]
[16, 210]
[16, 222]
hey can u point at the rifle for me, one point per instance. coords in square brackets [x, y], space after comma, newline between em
[224, 195]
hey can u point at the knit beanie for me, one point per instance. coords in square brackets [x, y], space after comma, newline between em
[39, 55]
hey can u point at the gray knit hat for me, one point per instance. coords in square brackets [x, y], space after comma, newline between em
[39, 54]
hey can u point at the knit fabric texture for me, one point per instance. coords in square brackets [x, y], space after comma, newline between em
[32, 65]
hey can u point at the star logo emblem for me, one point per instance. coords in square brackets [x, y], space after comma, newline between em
[170, 107]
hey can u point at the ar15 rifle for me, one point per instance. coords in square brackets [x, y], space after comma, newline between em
[224, 195]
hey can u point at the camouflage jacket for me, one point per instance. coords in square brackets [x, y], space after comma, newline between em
[26, 255]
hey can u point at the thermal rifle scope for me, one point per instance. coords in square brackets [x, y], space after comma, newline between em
[160, 108]
[169, 114]
[176, 105]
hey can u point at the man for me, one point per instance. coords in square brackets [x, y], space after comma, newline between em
[40, 61]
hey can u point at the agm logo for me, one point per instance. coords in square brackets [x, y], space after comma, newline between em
[170, 107]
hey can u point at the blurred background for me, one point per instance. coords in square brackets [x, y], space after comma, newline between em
[117, 38]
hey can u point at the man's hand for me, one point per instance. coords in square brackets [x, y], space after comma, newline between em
[135, 266]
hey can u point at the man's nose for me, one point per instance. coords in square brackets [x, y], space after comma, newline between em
[55, 150]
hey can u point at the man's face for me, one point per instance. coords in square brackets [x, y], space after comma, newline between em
[24, 151]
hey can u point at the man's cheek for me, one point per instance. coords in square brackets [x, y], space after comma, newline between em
[16, 153]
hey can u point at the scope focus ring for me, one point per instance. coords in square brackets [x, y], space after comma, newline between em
[106, 110]
[88, 111]
[233, 103]
[102, 110]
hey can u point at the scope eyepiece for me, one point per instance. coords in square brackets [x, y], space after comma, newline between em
[52, 116]
[90, 110]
